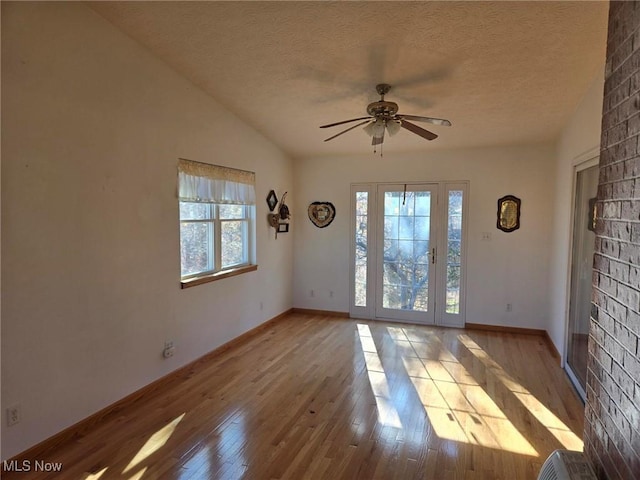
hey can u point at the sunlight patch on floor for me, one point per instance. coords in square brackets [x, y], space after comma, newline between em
[138, 475]
[95, 476]
[387, 413]
[459, 409]
[553, 424]
[155, 443]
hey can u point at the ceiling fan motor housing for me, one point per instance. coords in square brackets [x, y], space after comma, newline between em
[382, 109]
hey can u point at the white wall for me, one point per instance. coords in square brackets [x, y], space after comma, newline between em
[92, 127]
[511, 268]
[580, 141]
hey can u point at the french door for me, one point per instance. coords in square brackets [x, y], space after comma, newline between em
[407, 252]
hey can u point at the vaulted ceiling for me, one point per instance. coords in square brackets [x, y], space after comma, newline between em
[502, 72]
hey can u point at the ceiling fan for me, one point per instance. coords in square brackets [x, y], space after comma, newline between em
[383, 116]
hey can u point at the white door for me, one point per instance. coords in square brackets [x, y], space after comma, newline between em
[405, 286]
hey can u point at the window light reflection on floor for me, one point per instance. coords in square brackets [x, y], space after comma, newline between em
[387, 413]
[154, 443]
[230, 446]
[551, 422]
[200, 463]
[459, 409]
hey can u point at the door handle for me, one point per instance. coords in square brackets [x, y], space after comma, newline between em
[433, 255]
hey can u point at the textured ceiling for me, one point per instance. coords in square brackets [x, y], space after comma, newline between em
[502, 72]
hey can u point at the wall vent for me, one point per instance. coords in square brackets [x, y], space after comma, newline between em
[566, 465]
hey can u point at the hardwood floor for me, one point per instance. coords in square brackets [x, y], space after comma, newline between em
[317, 397]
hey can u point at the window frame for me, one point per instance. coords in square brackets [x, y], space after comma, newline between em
[216, 270]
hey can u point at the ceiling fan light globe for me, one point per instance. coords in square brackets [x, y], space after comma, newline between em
[378, 128]
[368, 128]
[393, 127]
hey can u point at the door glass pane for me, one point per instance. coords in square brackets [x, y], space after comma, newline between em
[581, 271]
[454, 239]
[406, 232]
[423, 204]
[405, 228]
[391, 203]
[362, 202]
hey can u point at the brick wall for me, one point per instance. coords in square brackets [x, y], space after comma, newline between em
[612, 426]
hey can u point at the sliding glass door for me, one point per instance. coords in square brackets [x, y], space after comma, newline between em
[583, 247]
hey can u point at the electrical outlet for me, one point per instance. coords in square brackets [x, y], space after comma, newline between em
[509, 307]
[261, 306]
[330, 293]
[169, 349]
[312, 293]
[13, 415]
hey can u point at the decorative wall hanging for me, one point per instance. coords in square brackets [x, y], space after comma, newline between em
[321, 214]
[276, 219]
[283, 210]
[508, 213]
[272, 200]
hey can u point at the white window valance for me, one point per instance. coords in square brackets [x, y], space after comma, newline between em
[205, 183]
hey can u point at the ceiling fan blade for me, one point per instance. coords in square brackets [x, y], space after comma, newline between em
[434, 121]
[418, 130]
[348, 129]
[344, 121]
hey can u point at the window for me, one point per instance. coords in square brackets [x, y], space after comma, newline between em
[217, 211]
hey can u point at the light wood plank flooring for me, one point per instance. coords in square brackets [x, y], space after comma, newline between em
[317, 397]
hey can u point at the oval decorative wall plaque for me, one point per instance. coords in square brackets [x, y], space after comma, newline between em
[321, 214]
[508, 213]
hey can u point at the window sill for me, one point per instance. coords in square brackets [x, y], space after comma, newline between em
[192, 282]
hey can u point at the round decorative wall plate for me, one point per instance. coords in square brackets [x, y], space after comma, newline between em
[321, 214]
